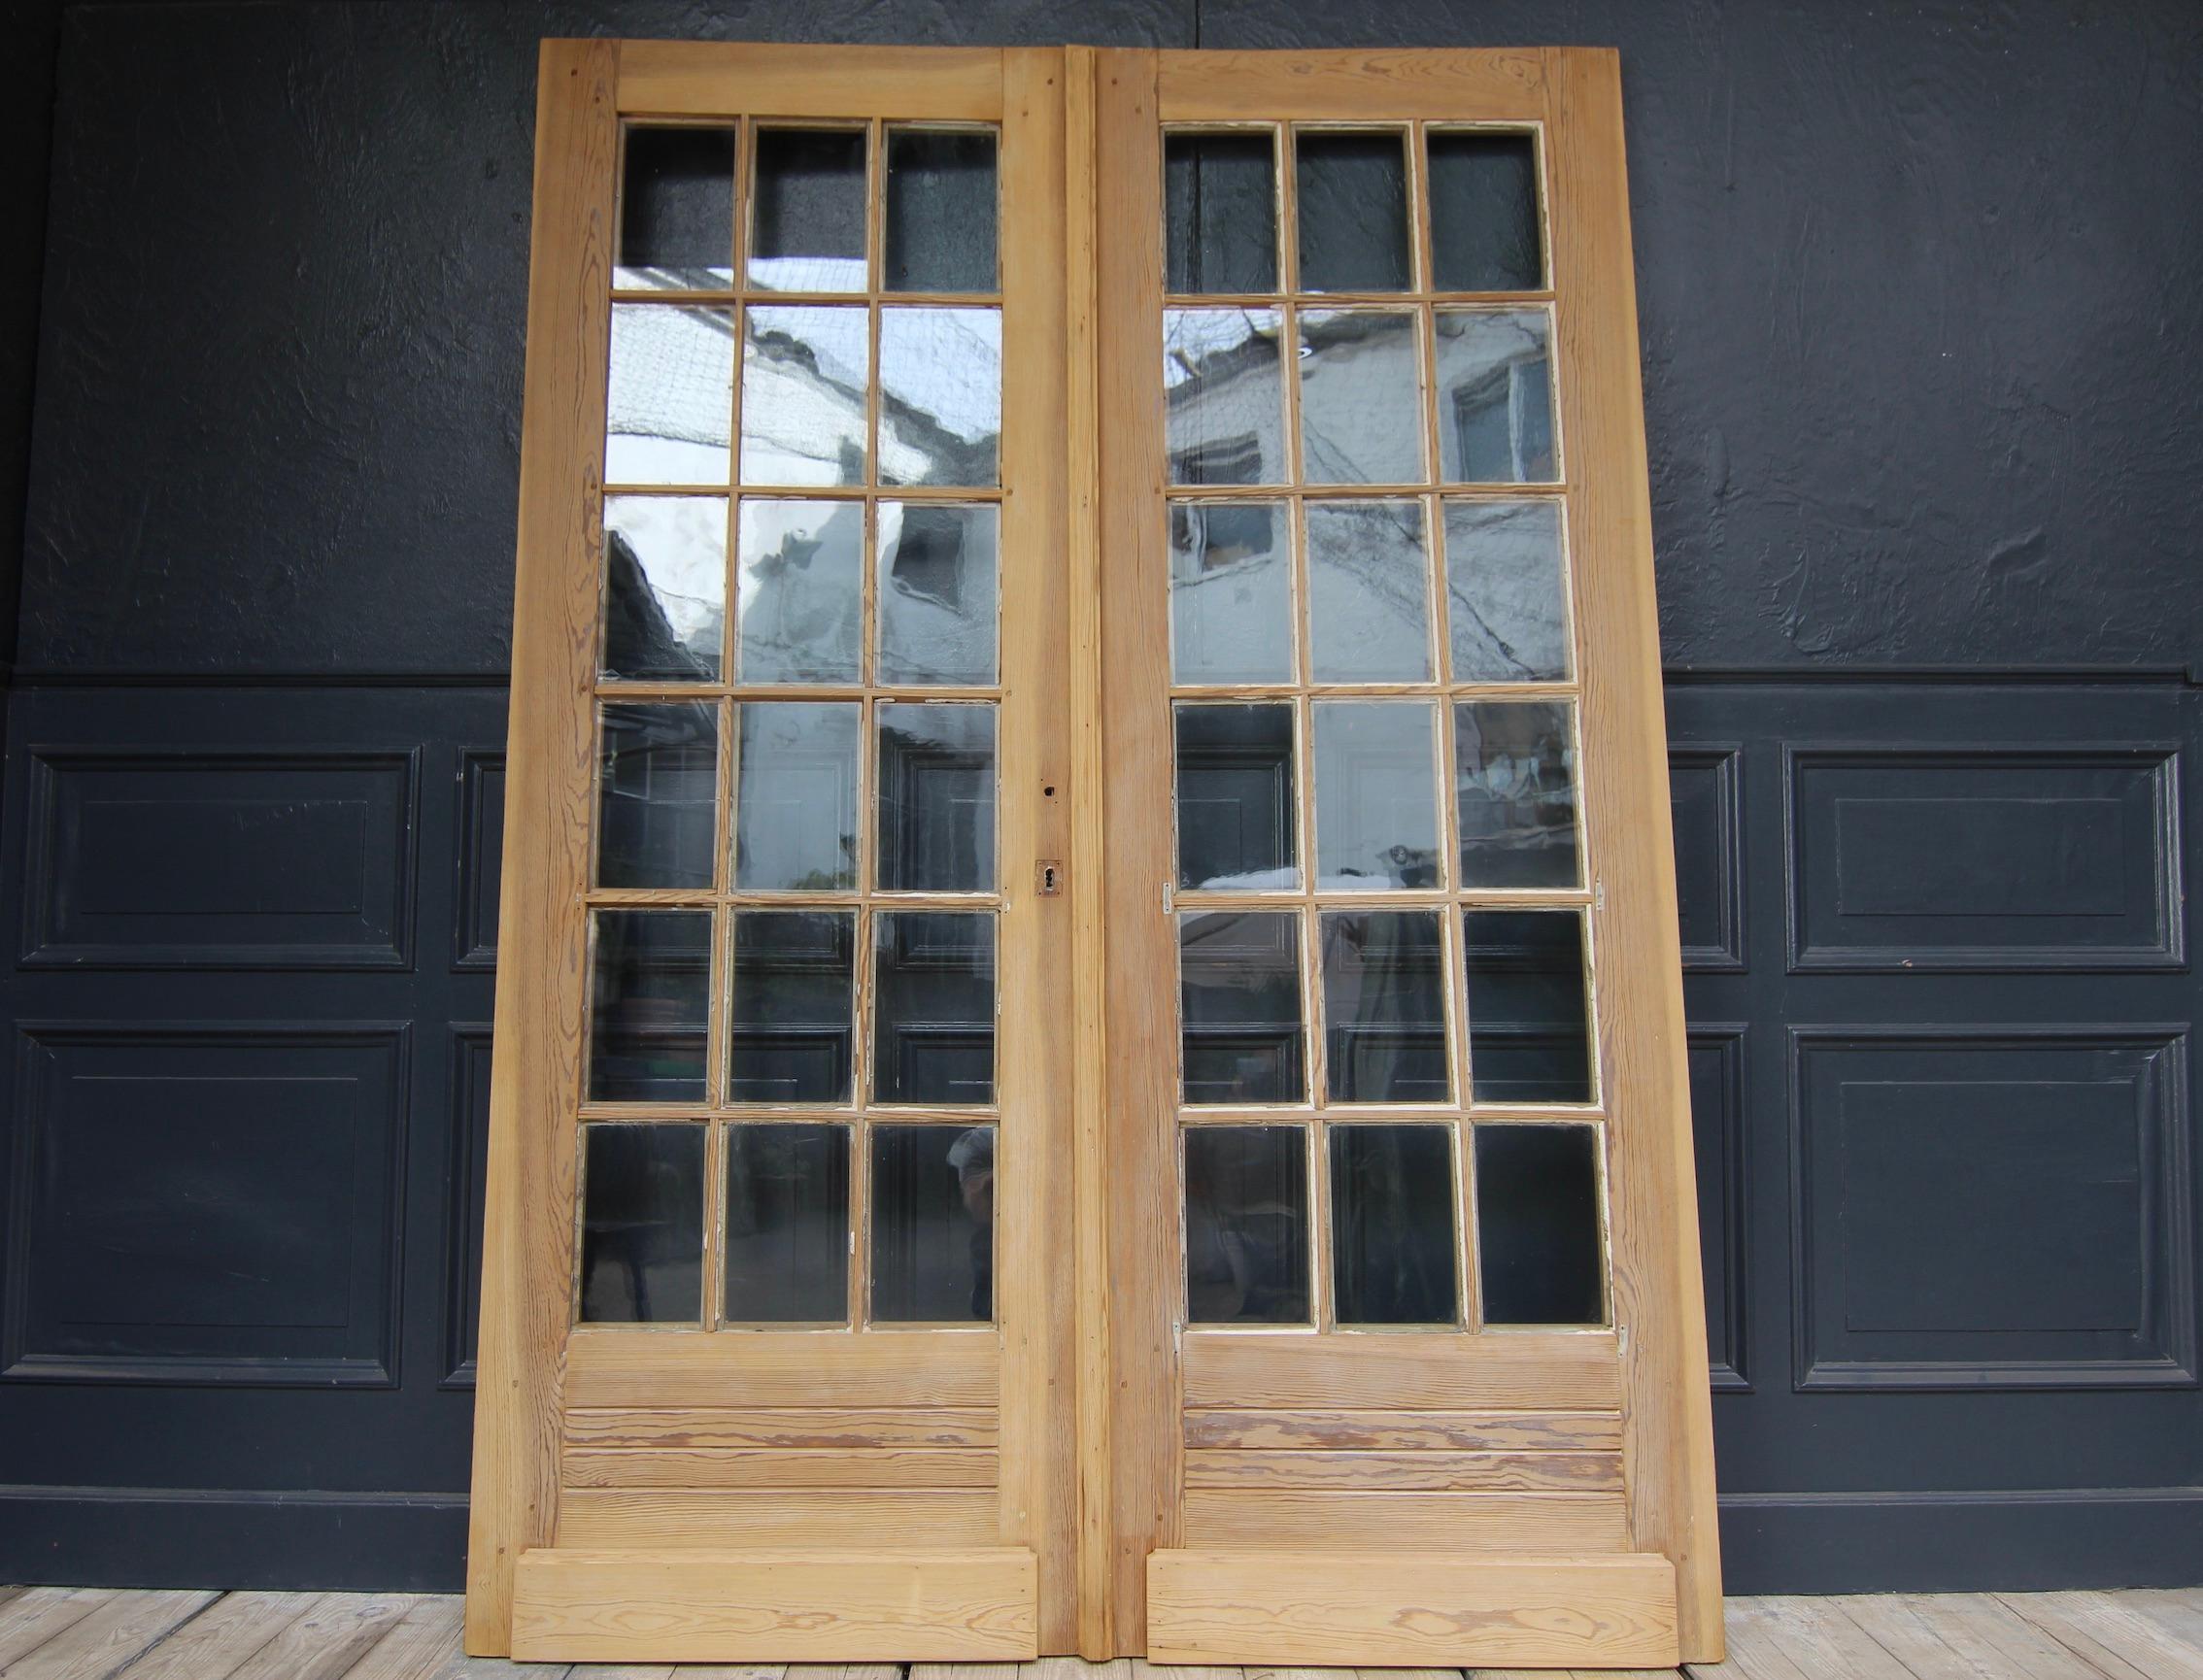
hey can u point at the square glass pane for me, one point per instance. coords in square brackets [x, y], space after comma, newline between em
[1231, 593]
[669, 394]
[1507, 602]
[932, 1224]
[649, 1005]
[1539, 1255]
[642, 1225]
[805, 370]
[801, 583]
[787, 1225]
[1220, 212]
[935, 792]
[1514, 788]
[1384, 1007]
[1353, 206]
[934, 1006]
[1224, 403]
[1484, 231]
[796, 795]
[677, 210]
[1495, 397]
[1369, 592]
[940, 396]
[1393, 1247]
[1239, 1007]
[807, 221]
[1234, 798]
[1361, 398]
[664, 587]
[941, 210]
[1376, 796]
[1246, 1225]
[656, 795]
[792, 1008]
[1529, 1013]
[938, 592]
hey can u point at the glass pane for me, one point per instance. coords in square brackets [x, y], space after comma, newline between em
[658, 795]
[941, 210]
[1246, 1225]
[938, 592]
[1236, 810]
[787, 1225]
[795, 796]
[1377, 795]
[1528, 1027]
[934, 1006]
[1361, 398]
[1231, 593]
[677, 210]
[803, 377]
[664, 587]
[1495, 412]
[642, 1225]
[650, 987]
[937, 799]
[1392, 1241]
[1514, 786]
[807, 225]
[1353, 193]
[940, 396]
[669, 398]
[1220, 211]
[790, 1020]
[1384, 1007]
[1507, 606]
[932, 1223]
[1240, 1005]
[1224, 415]
[802, 591]
[1484, 212]
[1538, 1249]
[1369, 592]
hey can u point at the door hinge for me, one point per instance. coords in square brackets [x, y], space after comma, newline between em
[1167, 898]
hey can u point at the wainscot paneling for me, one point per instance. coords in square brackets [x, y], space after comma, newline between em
[1718, 1118]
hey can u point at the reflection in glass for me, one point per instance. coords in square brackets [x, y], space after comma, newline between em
[934, 1006]
[802, 590]
[1231, 593]
[1539, 1256]
[790, 1017]
[936, 797]
[1235, 797]
[940, 396]
[1239, 1003]
[1514, 788]
[1246, 1225]
[1376, 796]
[795, 796]
[1506, 605]
[1220, 212]
[941, 210]
[1384, 1007]
[938, 590]
[642, 1225]
[656, 795]
[1484, 212]
[664, 587]
[1495, 387]
[932, 1223]
[650, 983]
[1529, 1019]
[1224, 415]
[1353, 203]
[677, 210]
[808, 224]
[1392, 1225]
[805, 370]
[787, 1225]
[1369, 592]
[1361, 398]
[669, 394]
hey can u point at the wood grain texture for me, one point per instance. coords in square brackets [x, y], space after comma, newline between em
[1568, 1372]
[1541, 1525]
[1411, 1471]
[779, 1369]
[778, 1467]
[679, 1518]
[720, 77]
[1404, 1431]
[793, 1426]
[1382, 85]
[98, 1644]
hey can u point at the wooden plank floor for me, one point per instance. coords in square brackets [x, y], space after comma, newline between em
[96, 1633]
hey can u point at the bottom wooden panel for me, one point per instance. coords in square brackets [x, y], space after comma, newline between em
[843, 1606]
[1372, 1610]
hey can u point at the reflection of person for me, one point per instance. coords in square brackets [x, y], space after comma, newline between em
[972, 1154]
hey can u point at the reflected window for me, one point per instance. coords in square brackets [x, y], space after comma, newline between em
[938, 592]
[933, 1007]
[1240, 1008]
[658, 795]
[650, 985]
[936, 798]
[1495, 379]
[1234, 798]
[1384, 1007]
[1515, 790]
[791, 1006]
[802, 590]
[1224, 418]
